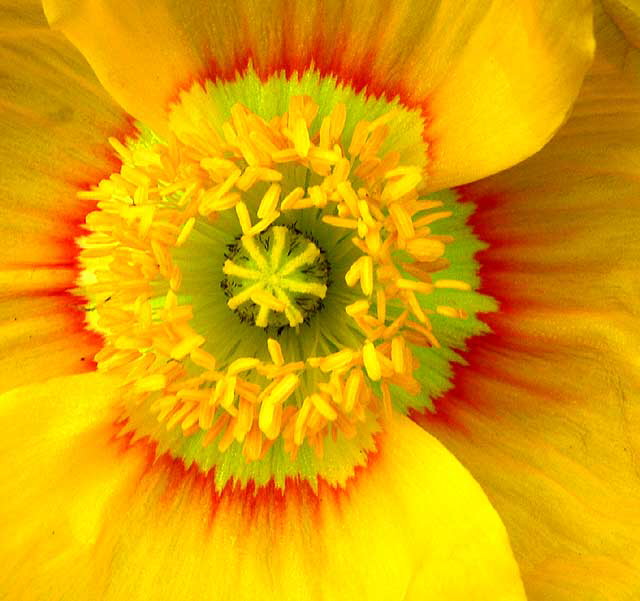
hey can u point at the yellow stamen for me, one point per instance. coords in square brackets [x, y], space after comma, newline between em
[323, 406]
[269, 201]
[425, 249]
[402, 220]
[432, 218]
[269, 419]
[398, 354]
[283, 389]
[242, 364]
[452, 284]
[358, 308]
[290, 199]
[243, 217]
[371, 361]
[301, 140]
[203, 359]
[353, 274]
[360, 134]
[349, 197]
[451, 312]
[423, 287]
[186, 346]
[151, 383]
[386, 400]
[275, 350]
[340, 222]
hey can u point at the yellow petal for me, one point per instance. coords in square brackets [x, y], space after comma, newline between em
[626, 16]
[60, 474]
[546, 415]
[99, 519]
[493, 78]
[138, 51]
[54, 119]
[508, 93]
[412, 525]
[553, 438]
[42, 337]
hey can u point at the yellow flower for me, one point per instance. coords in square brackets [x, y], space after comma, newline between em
[220, 305]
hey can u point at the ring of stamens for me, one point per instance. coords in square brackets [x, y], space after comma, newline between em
[276, 278]
[151, 207]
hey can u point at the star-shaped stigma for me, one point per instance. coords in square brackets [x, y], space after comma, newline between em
[277, 278]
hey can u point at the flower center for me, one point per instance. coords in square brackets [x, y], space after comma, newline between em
[277, 278]
[207, 271]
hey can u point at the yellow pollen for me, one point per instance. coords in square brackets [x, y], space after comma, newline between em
[275, 276]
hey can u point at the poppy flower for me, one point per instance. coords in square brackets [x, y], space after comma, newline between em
[235, 265]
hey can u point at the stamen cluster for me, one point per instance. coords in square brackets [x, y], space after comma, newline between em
[133, 279]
